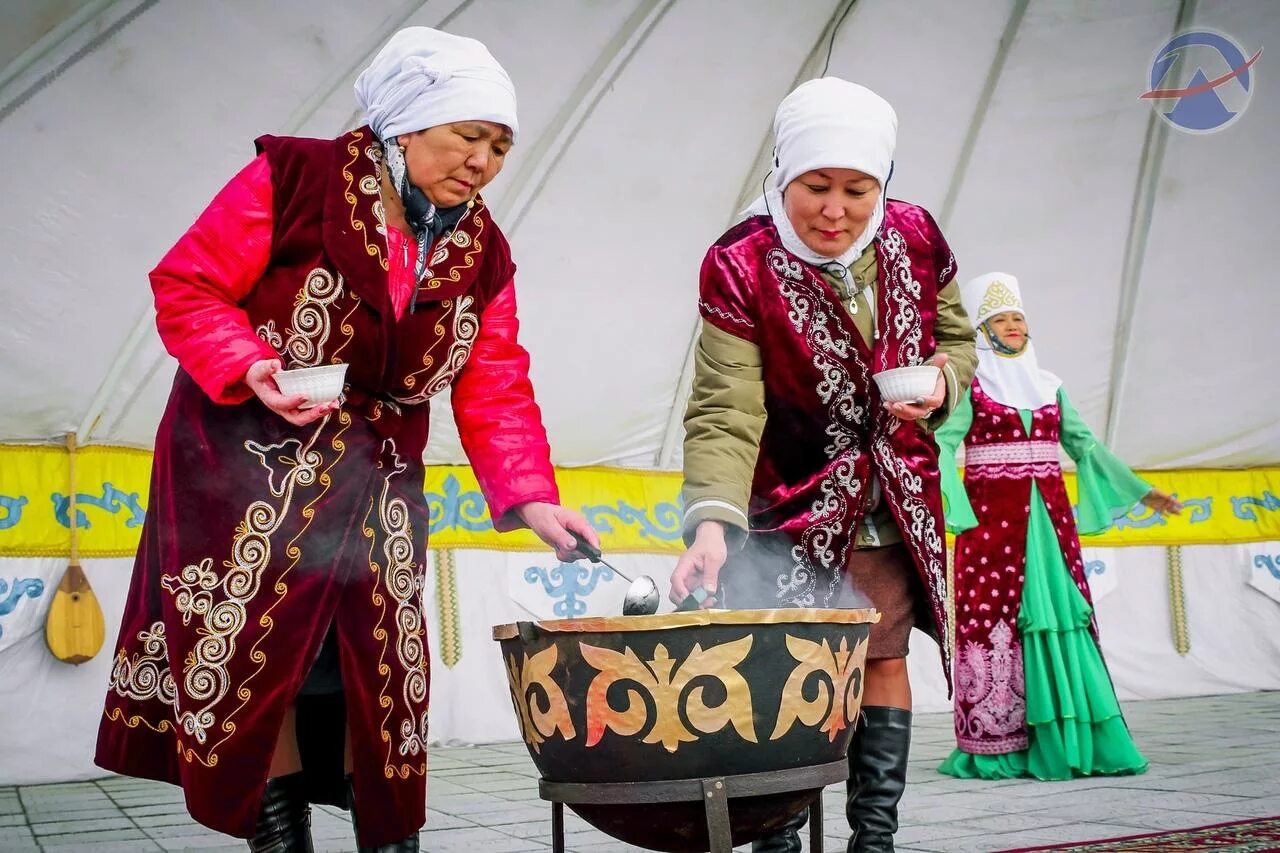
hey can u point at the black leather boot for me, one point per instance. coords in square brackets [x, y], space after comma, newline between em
[877, 778]
[785, 840]
[404, 845]
[284, 824]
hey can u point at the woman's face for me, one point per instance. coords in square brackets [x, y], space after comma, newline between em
[451, 163]
[830, 208]
[1010, 329]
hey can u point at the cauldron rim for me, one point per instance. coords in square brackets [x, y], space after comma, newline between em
[697, 618]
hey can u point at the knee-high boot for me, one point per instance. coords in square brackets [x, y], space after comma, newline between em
[284, 824]
[877, 778]
[404, 845]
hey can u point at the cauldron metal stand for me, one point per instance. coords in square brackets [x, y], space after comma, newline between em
[714, 793]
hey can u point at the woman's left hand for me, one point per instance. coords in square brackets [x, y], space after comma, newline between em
[558, 526]
[925, 408]
[1162, 502]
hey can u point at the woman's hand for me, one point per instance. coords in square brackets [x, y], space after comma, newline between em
[558, 526]
[1162, 502]
[925, 408]
[700, 565]
[261, 381]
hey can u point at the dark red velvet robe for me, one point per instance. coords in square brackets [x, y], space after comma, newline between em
[260, 535]
[827, 435]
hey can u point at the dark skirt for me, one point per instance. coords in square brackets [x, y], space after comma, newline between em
[887, 576]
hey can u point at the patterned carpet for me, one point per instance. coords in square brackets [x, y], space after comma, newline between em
[1246, 836]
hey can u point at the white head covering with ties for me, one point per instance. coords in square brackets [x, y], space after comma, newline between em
[1014, 380]
[424, 78]
[829, 123]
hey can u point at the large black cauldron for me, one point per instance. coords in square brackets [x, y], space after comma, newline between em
[687, 696]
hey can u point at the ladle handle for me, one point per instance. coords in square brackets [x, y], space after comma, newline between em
[584, 548]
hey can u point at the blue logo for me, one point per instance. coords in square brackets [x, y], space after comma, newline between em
[1200, 81]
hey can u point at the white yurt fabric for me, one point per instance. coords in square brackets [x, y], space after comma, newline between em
[643, 126]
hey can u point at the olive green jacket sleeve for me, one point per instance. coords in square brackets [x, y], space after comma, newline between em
[723, 423]
[955, 337]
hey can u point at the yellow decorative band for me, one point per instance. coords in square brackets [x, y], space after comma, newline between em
[635, 511]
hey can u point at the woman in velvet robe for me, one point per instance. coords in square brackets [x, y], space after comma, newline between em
[807, 487]
[276, 600]
[1033, 697]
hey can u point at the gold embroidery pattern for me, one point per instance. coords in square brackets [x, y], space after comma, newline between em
[665, 695]
[999, 298]
[310, 322]
[291, 550]
[374, 249]
[463, 240]
[195, 596]
[372, 185]
[466, 328]
[117, 716]
[537, 724]
[839, 688]
[206, 680]
[403, 583]
[267, 331]
[146, 675]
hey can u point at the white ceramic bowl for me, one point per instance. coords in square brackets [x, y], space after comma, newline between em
[321, 384]
[907, 384]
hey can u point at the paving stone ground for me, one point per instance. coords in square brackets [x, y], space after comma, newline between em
[1213, 759]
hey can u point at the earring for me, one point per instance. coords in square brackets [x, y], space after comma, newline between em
[401, 147]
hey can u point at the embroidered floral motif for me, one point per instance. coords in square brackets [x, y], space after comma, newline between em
[999, 296]
[904, 292]
[146, 675]
[466, 328]
[831, 344]
[376, 248]
[402, 580]
[220, 602]
[267, 331]
[992, 684]
[310, 327]
[471, 246]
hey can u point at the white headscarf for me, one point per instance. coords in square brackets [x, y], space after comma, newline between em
[1014, 380]
[424, 78]
[829, 123]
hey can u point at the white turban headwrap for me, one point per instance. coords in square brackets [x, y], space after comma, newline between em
[424, 78]
[1011, 379]
[829, 123]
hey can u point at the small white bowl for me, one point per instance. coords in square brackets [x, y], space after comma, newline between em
[321, 384]
[907, 384]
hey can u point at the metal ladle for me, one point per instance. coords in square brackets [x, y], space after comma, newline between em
[642, 595]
